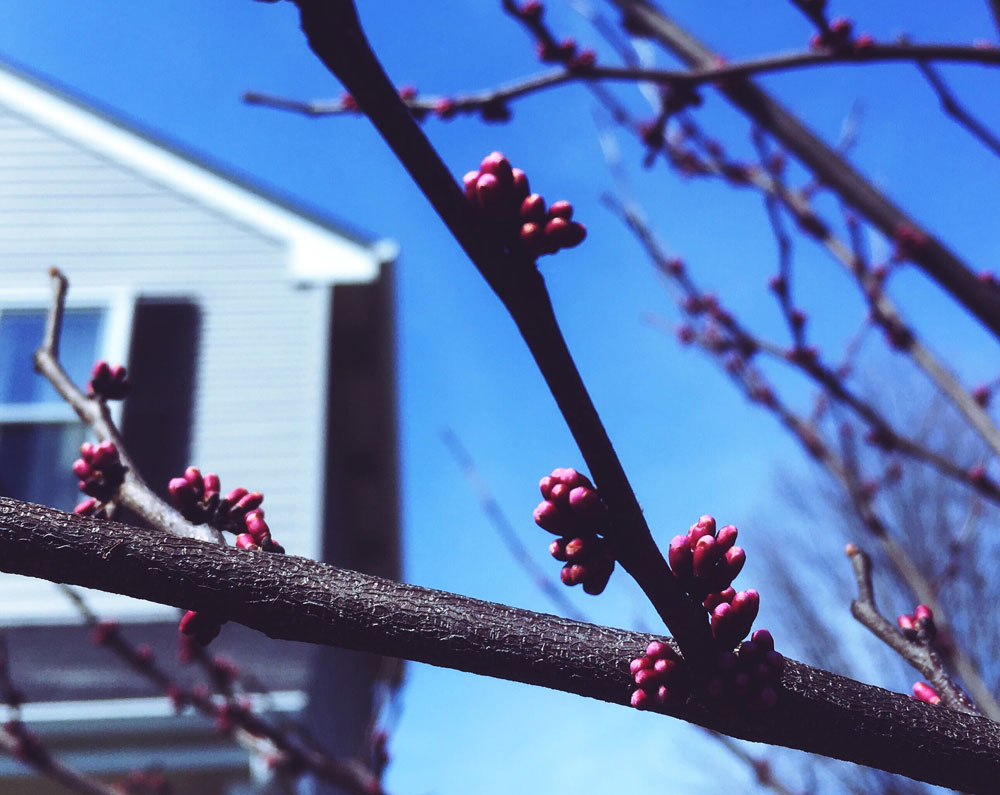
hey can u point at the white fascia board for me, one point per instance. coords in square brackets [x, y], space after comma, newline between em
[315, 252]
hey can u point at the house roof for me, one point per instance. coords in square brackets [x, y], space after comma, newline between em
[321, 248]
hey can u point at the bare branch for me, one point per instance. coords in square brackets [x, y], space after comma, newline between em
[133, 493]
[921, 656]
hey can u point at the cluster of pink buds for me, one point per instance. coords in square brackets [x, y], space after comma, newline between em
[732, 614]
[195, 495]
[924, 692]
[919, 625]
[108, 383]
[706, 561]
[100, 471]
[198, 498]
[750, 676]
[572, 510]
[838, 36]
[502, 196]
[661, 677]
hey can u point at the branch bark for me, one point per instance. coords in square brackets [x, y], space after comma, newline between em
[297, 599]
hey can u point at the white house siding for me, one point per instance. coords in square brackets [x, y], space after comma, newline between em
[261, 365]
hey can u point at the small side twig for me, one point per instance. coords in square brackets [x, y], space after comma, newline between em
[133, 493]
[951, 106]
[921, 655]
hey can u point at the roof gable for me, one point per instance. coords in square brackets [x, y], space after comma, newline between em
[317, 250]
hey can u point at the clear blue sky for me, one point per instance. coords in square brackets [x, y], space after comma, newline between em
[689, 443]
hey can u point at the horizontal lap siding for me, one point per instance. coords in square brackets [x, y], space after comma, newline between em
[259, 379]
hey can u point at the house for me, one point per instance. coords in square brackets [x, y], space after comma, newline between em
[259, 337]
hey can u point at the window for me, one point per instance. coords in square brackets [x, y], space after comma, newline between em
[40, 436]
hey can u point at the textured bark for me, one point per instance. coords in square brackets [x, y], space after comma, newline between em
[299, 599]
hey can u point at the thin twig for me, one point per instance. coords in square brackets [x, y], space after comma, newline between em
[951, 106]
[133, 493]
[921, 655]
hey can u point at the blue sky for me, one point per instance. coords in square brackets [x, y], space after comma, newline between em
[690, 444]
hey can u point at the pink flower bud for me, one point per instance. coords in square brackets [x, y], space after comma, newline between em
[499, 166]
[245, 541]
[235, 495]
[469, 181]
[763, 639]
[248, 502]
[256, 525]
[547, 516]
[521, 188]
[211, 484]
[557, 549]
[727, 536]
[87, 508]
[706, 554]
[639, 663]
[680, 558]
[533, 209]
[924, 692]
[561, 209]
[572, 574]
[81, 469]
[641, 700]
[704, 526]
[489, 193]
[584, 502]
[575, 235]
[532, 237]
[713, 600]
[545, 485]
[734, 558]
[87, 451]
[923, 613]
[905, 623]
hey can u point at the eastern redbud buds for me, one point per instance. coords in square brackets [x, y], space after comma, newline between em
[706, 561]
[108, 383]
[572, 509]
[750, 676]
[924, 692]
[501, 195]
[919, 625]
[100, 470]
[661, 676]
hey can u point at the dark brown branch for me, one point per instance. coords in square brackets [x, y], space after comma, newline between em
[297, 599]
[334, 34]
[951, 106]
[884, 53]
[938, 262]
[921, 656]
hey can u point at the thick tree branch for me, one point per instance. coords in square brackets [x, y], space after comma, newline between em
[334, 34]
[297, 599]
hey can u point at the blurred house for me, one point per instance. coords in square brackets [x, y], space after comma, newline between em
[259, 338]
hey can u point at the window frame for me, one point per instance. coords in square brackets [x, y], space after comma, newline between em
[118, 308]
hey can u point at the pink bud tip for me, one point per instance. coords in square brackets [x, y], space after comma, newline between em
[81, 469]
[547, 516]
[561, 209]
[533, 209]
[924, 692]
[905, 623]
[521, 187]
[922, 613]
[641, 700]
[236, 495]
[763, 639]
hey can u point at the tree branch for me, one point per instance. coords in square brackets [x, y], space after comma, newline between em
[298, 599]
[931, 256]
